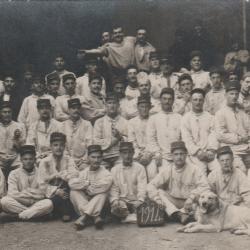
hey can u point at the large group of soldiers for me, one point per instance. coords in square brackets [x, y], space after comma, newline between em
[118, 137]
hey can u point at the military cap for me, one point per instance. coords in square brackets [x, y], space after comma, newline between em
[169, 91]
[43, 102]
[144, 99]
[224, 150]
[198, 91]
[5, 104]
[233, 85]
[52, 76]
[68, 76]
[185, 76]
[94, 76]
[111, 96]
[27, 149]
[57, 136]
[195, 53]
[94, 148]
[126, 146]
[178, 145]
[74, 102]
[154, 55]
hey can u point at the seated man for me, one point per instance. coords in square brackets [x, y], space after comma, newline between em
[12, 137]
[90, 190]
[128, 190]
[229, 183]
[24, 196]
[39, 132]
[110, 130]
[54, 172]
[78, 133]
[137, 135]
[132, 91]
[179, 185]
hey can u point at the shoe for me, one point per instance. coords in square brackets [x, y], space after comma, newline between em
[98, 222]
[80, 223]
[181, 217]
[66, 218]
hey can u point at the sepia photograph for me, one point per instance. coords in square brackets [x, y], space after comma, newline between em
[124, 124]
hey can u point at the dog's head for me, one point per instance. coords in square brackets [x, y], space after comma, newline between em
[208, 202]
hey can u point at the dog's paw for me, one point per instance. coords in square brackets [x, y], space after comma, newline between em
[181, 229]
[242, 232]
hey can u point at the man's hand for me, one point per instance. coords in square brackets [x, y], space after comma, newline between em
[61, 192]
[116, 133]
[188, 205]
[137, 203]
[115, 203]
[159, 201]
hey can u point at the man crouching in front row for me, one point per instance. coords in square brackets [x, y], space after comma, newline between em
[90, 190]
[178, 186]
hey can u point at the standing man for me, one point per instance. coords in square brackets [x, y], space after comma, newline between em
[197, 131]
[178, 186]
[110, 131]
[90, 190]
[12, 137]
[232, 126]
[142, 50]
[24, 197]
[163, 129]
[78, 133]
[128, 190]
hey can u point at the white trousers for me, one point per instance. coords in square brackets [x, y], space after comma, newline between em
[40, 208]
[84, 204]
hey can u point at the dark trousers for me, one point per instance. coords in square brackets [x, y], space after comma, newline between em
[61, 207]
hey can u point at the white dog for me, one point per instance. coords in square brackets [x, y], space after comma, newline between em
[213, 215]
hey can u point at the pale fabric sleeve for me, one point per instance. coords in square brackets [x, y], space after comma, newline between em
[212, 181]
[90, 113]
[81, 182]
[98, 135]
[187, 137]
[71, 171]
[244, 187]
[23, 113]
[2, 185]
[212, 139]
[141, 183]
[162, 178]
[132, 137]
[115, 190]
[59, 114]
[221, 130]
[31, 137]
[151, 135]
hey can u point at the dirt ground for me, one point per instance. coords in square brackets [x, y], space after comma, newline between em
[62, 236]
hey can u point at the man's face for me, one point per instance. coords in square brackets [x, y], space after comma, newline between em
[226, 163]
[59, 63]
[216, 80]
[185, 86]
[95, 159]
[132, 75]
[28, 162]
[95, 86]
[232, 97]
[118, 35]
[245, 85]
[196, 63]
[119, 90]
[44, 112]
[74, 112]
[127, 156]
[179, 157]
[38, 87]
[6, 115]
[9, 83]
[233, 78]
[166, 68]
[197, 101]
[27, 75]
[53, 87]
[141, 35]
[112, 107]
[105, 37]
[154, 64]
[143, 109]
[167, 101]
[144, 87]
[69, 86]
[57, 148]
[91, 67]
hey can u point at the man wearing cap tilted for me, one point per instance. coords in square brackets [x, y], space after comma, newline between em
[93, 105]
[244, 96]
[61, 103]
[197, 131]
[53, 84]
[178, 186]
[90, 190]
[24, 196]
[229, 183]
[59, 65]
[137, 135]
[163, 128]
[39, 131]
[232, 126]
[78, 133]
[54, 172]
[110, 130]
[82, 82]
[12, 137]
[128, 190]
[28, 112]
